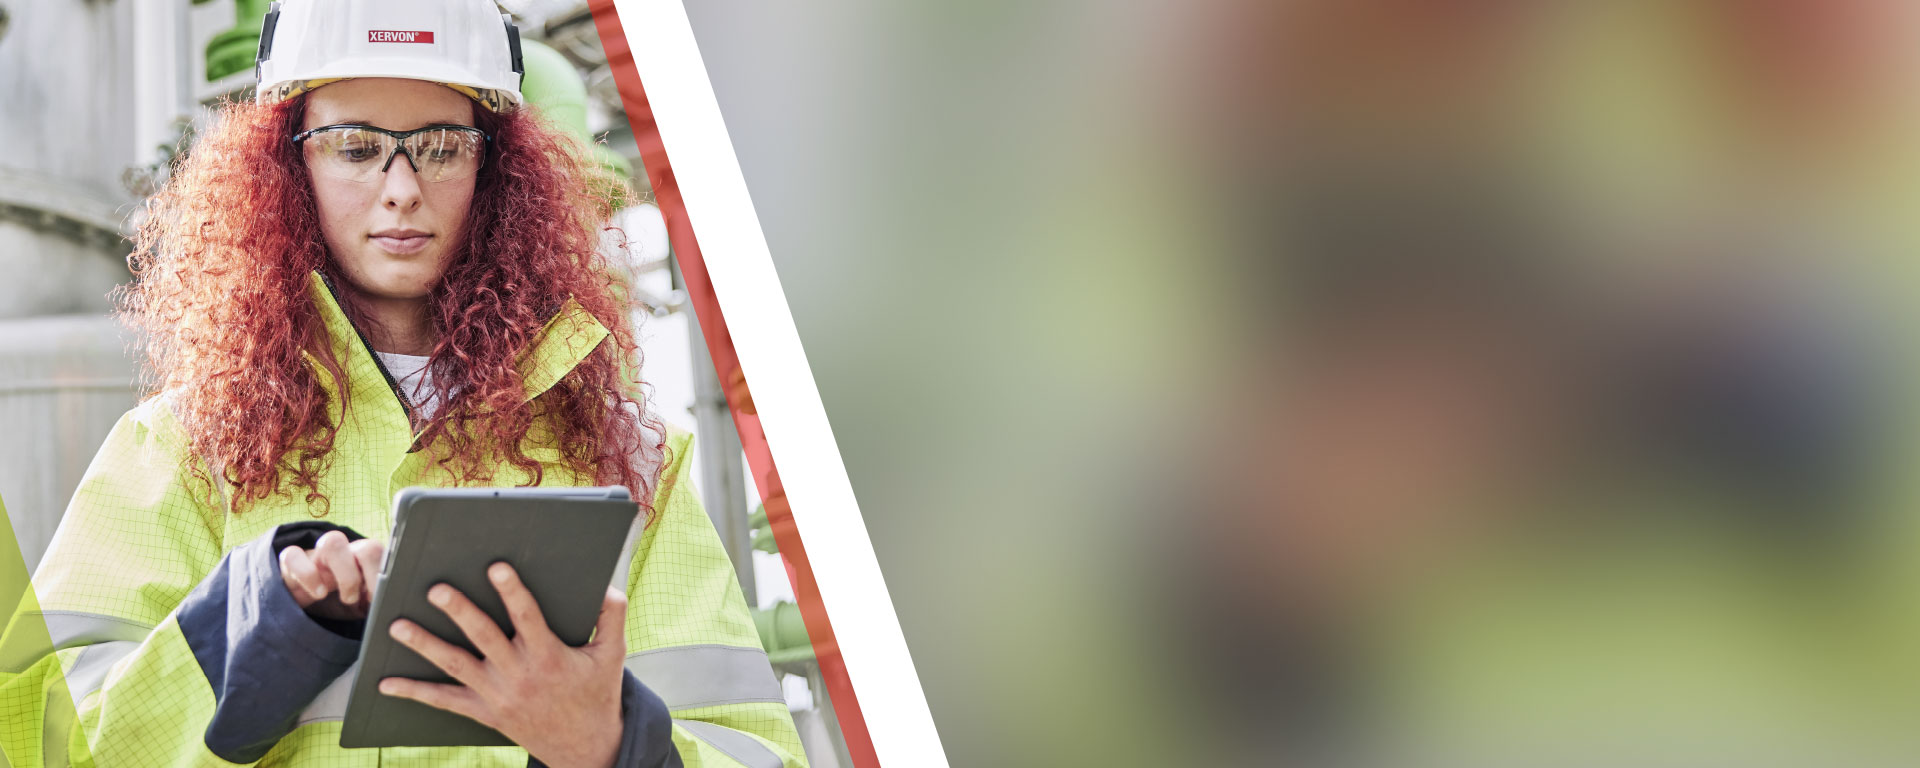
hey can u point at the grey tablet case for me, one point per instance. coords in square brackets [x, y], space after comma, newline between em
[565, 544]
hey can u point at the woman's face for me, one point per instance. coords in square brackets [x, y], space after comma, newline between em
[394, 236]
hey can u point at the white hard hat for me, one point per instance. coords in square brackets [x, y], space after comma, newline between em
[467, 45]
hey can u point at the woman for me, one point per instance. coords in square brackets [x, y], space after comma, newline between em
[383, 273]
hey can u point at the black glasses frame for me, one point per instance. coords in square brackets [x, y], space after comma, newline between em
[399, 139]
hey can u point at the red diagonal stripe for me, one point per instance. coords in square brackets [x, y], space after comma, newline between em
[653, 155]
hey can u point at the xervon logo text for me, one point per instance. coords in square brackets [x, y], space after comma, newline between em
[398, 36]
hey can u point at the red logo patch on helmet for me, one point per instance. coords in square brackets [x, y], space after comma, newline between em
[398, 36]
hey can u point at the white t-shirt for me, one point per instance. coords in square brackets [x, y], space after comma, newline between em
[411, 373]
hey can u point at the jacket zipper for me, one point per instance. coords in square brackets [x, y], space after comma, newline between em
[393, 385]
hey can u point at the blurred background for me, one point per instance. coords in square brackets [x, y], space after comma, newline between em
[101, 95]
[1365, 382]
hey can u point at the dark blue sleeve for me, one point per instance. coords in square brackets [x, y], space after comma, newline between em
[264, 656]
[646, 740]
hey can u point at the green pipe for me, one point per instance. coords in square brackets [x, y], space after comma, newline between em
[783, 633]
[762, 532]
[233, 50]
[552, 84]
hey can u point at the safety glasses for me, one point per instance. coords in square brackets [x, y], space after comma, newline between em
[362, 152]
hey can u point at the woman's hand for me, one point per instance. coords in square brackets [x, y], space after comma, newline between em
[562, 704]
[335, 579]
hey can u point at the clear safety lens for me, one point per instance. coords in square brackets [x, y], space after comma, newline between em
[360, 154]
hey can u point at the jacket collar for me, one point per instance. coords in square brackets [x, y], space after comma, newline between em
[566, 340]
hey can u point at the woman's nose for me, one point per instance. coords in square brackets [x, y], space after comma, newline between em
[400, 186]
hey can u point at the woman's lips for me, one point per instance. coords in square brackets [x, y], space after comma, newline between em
[401, 244]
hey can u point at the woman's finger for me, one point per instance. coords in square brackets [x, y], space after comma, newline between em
[327, 581]
[610, 633]
[333, 556]
[302, 578]
[457, 699]
[450, 658]
[370, 555]
[529, 624]
[476, 624]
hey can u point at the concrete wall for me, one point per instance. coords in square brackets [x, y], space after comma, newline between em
[64, 380]
[67, 137]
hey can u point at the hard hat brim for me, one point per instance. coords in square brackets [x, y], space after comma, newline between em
[467, 83]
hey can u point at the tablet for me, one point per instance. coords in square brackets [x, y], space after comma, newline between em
[564, 542]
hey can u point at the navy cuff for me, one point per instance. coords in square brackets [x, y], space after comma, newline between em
[646, 738]
[264, 657]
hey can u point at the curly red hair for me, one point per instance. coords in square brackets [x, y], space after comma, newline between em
[221, 270]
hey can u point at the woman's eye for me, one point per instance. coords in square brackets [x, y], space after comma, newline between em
[358, 153]
[441, 149]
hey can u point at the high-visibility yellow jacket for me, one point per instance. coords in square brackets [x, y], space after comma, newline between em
[138, 538]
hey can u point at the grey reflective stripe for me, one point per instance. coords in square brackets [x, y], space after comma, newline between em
[65, 629]
[88, 673]
[684, 677]
[688, 676]
[90, 670]
[744, 749]
[71, 628]
[331, 704]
